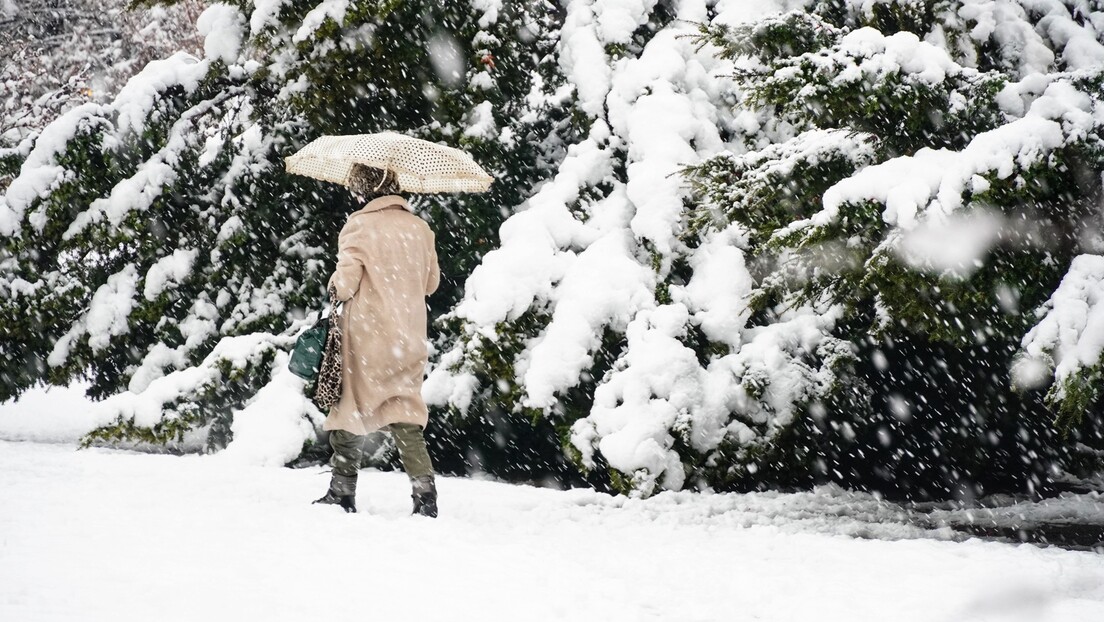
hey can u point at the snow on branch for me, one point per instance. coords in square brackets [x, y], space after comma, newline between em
[40, 172]
[269, 430]
[939, 181]
[1069, 338]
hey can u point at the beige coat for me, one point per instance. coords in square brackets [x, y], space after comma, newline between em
[386, 266]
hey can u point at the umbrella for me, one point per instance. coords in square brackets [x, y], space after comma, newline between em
[419, 165]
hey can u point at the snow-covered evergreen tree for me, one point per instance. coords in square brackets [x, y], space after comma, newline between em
[58, 54]
[984, 118]
[155, 246]
[805, 240]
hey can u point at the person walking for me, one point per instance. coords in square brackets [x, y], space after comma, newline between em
[386, 266]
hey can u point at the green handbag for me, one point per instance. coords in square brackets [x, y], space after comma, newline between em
[310, 347]
[306, 358]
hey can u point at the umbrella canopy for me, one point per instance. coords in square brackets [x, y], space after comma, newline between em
[419, 165]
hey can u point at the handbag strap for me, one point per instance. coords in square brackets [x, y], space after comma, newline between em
[334, 304]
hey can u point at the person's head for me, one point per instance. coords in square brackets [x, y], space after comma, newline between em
[368, 182]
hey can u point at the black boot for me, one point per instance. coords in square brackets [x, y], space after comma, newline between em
[342, 492]
[425, 496]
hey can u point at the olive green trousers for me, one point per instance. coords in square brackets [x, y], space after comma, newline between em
[409, 438]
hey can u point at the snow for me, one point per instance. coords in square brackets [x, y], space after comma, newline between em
[105, 318]
[40, 172]
[250, 148]
[591, 265]
[142, 92]
[168, 271]
[490, 10]
[1080, 43]
[956, 245]
[229, 228]
[266, 13]
[736, 12]
[48, 415]
[899, 53]
[618, 19]
[1069, 337]
[1031, 50]
[496, 550]
[656, 380]
[327, 9]
[153, 366]
[719, 291]
[481, 123]
[940, 180]
[1006, 24]
[110, 308]
[583, 57]
[199, 325]
[603, 286]
[1065, 509]
[527, 261]
[135, 193]
[455, 389]
[222, 28]
[662, 113]
[658, 389]
[447, 59]
[271, 429]
[772, 361]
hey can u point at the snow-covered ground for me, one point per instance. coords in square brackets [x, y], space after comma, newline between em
[109, 535]
[48, 415]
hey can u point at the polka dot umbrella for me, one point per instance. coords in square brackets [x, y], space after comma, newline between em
[419, 166]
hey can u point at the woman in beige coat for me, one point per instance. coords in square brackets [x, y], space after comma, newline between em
[386, 266]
